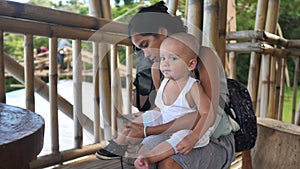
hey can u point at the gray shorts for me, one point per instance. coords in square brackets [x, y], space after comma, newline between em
[154, 118]
[218, 154]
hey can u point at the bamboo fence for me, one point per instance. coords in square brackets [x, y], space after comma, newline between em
[99, 30]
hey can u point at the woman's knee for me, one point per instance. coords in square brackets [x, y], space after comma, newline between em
[168, 163]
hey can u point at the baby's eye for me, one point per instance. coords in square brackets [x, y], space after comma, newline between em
[162, 58]
[173, 58]
[144, 45]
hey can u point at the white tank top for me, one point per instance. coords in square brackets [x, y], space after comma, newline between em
[180, 106]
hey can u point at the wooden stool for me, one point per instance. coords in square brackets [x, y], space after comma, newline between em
[21, 136]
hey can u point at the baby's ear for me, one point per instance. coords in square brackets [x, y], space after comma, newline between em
[192, 64]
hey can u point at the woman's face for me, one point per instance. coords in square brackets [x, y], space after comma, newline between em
[150, 44]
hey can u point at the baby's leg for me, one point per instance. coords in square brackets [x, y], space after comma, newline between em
[158, 153]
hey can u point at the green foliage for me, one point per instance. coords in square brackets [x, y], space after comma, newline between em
[14, 45]
[287, 106]
[289, 17]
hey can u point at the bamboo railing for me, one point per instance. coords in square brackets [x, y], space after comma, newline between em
[39, 21]
[32, 21]
[270, 44]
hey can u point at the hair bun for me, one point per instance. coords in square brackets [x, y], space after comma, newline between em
[157, 7]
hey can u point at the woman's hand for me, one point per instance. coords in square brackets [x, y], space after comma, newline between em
[137, 114]
[187, 143]
[136, 130]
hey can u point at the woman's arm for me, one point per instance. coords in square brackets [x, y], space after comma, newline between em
[209, 67]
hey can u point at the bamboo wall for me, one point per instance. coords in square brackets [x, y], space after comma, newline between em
[53, 24]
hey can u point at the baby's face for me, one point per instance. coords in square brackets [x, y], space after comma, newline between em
[174, 59]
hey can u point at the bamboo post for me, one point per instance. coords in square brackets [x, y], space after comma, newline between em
[117, 104]
[172, 7]
[287, 77]
[2, 72]
[77, 93]
[129, 66]
[53, 95]
[271, 105]
[255, 58]
[296, 78]
[106, 14]
[210, 23]
[222, 30]
[272, 17]
[194, 17]
[281, 92]
[277, 89]
[29, 72]
[98, 134]
[231, 27]
[97, 131]
[298, 112]
[98, 9]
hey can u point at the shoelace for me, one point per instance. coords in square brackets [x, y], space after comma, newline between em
[121, 162]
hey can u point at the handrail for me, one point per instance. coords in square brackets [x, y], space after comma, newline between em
[31, 20]
[64, 18]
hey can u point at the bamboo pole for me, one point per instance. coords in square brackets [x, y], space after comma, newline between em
[48, 15]
[231, 27]
[281, 92]
[107, 14]
[172, 7]
[293, 44]
[277, 89]
[129, 66]
[222, 30]
[29, 72]
[53, 95]
[296, 78]
[272, 17]
[77, 93]
[105, 81]
[17, 71]
[255, 58]
[59, 158]
[2, 71]
[259, 47]
[117, 99]
[271, 105]
[50, 30]
[298, 112]
[97, 132]
[210, 23]
[232, 65]
[194, 17]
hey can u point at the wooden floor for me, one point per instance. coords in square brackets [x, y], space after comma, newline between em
[92, 162]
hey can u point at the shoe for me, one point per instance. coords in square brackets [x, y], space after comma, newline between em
[111, 151]
[106, 155]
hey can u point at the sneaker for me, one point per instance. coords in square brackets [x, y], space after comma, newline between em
[106, 155]
[111, 151]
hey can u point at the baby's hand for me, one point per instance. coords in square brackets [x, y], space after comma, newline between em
[141, 163]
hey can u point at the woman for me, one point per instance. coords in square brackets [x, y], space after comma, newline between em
[147, 29]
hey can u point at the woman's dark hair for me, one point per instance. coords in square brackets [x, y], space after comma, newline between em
[150, 19]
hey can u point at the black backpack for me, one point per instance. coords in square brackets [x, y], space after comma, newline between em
[240, 102]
